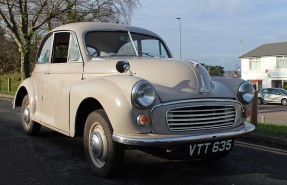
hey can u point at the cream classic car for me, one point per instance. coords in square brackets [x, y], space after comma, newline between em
[118, 87]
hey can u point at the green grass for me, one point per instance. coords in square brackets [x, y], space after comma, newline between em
[278, 130]
[15, 81]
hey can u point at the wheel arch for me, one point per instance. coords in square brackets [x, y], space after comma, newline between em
[102, 93]
[87, 106]
[21, 93]
[25, 88]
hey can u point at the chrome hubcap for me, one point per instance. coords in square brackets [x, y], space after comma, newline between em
[26, 115]
[97, 145]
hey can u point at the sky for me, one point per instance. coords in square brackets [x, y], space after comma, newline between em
[215, 32]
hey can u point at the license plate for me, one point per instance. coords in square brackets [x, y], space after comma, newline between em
[209, 148]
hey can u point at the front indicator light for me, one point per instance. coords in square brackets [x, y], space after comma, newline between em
[246, 113]
[143, 120]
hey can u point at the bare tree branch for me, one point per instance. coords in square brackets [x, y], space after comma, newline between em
[24, 18]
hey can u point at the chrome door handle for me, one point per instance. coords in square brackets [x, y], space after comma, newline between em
[47, 72]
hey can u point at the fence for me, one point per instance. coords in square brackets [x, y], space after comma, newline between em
[9, 84]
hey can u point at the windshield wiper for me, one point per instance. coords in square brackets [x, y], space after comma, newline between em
[147, 54]
[151, 55]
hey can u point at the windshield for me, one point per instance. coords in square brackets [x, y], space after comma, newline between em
[118, 43]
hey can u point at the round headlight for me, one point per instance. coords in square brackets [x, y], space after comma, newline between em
[246, 93]
[143, 94]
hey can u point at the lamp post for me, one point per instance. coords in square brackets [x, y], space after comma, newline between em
[179, 36]
[241, 47]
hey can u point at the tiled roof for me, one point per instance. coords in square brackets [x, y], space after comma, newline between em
[271, 49]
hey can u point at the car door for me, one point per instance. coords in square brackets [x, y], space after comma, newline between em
[275, 96]
[264, 94]
[65, 68]
[39, 74]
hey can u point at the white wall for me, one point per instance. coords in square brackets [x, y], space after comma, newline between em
[267, 64]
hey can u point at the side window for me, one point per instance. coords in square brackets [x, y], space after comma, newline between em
[45, 54]
[61, 47]
[74, 54]
[265, 90]
[154, 48]
[273, 91]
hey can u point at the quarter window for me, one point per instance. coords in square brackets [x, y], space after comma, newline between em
[74, 54]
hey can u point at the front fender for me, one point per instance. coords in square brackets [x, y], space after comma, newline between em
[113, 93]
[227, 86]
[26, 87]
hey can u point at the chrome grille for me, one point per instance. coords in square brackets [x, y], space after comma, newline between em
[200, 118]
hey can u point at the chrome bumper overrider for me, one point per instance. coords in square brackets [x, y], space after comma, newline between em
[159, 140]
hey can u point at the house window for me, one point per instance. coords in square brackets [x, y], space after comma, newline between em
[254, 64]
[281, 62]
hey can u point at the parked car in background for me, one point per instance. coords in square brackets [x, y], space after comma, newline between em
[272, 95]
[118, 87]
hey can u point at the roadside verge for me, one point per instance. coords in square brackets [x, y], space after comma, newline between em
[6, 96]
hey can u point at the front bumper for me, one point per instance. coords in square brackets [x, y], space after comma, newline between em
[163, 140]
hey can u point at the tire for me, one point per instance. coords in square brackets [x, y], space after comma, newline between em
[284, 102]
[30, 127]
[259, 101]
[103, 154]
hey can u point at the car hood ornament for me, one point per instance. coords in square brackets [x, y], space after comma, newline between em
[203, 90]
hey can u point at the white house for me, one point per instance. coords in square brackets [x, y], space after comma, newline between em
[266, 66]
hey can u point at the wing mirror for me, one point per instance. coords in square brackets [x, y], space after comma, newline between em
[123, 67]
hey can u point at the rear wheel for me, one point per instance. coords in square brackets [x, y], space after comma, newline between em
[30, 127]
[284, 102]
[103, 154]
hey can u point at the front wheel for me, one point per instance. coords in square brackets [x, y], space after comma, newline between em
[103, 154]
[259, 101]
[30, 127]
[284, 102]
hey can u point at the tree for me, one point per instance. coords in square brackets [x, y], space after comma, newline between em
[25, 18]
[9, 62]
[214, 70]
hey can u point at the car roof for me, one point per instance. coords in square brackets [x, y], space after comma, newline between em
[82, 27]
[275, 88]
[272, 88]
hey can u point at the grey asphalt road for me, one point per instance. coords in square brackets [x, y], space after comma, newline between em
[52, 158]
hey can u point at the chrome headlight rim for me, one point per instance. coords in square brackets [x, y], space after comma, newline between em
[245, 92]
[143, 101]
